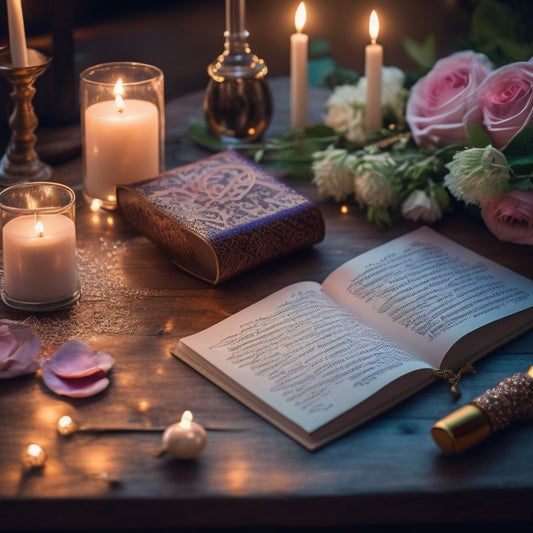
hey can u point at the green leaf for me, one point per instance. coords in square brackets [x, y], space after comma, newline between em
[202, 135]
[501, 31]
[522, 170]
[422, 54]
[379, 216]
[520, 144]
[341, 76]
[441, 196]
[492, 19]
[478, 136]
[319, 130]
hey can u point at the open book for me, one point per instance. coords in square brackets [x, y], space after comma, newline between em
[317, 360]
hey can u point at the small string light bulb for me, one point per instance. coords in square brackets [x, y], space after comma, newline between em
[34, 456]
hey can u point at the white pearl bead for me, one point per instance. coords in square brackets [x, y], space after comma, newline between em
[185, 439]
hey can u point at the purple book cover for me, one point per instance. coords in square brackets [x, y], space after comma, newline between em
[221, 216]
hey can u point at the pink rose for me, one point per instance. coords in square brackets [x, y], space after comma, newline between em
[441, 104]
[506, 100]
[510, 216]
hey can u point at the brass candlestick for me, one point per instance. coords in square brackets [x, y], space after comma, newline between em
[21, 162]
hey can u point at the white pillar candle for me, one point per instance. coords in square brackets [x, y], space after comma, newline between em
[373, 64]
[299, 44]
[121, 145]
[17, 37]
[40, 260]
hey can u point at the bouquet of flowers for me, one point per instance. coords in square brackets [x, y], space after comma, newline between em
[467, 134]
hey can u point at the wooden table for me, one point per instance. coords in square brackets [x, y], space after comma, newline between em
[136, 305]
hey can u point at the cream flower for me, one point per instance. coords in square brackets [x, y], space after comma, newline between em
[373, 181]
[346, 111]
[332, 173]
[346, 105]
[477, 173]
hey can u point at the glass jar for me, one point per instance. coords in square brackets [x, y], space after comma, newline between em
[123, 127]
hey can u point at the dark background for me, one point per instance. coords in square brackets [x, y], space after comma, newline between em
[183, 36]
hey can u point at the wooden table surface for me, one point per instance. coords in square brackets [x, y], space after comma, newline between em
[136, 305]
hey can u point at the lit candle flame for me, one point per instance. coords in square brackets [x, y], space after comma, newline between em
[119, 87]
[118, 91]
[373, 27]
[39, 229]
[299, 17]
[186, 419]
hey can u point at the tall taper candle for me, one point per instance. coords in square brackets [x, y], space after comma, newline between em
[17, 37]
[299, 43]
[373, 64]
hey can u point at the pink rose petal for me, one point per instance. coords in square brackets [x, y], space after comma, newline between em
[19, 350]
[510, 216]
[76, 371]
[8, 343]
[76, 360]
[75, 387]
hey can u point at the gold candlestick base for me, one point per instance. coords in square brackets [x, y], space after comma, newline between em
[21, 162]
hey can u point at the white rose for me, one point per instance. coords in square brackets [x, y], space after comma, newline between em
[421, 207]
[345, 111]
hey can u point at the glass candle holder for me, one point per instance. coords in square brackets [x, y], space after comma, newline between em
[123, 127]
[39, 246]
[237, 102]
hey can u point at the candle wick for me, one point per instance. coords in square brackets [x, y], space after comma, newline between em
[39, 229]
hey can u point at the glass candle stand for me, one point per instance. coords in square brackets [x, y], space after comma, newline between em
[237, 103]
[39, 246]
[123, 127]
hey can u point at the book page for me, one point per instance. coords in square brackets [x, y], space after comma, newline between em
[301, 353]
[426, 292]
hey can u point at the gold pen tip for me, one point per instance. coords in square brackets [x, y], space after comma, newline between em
[462, 429]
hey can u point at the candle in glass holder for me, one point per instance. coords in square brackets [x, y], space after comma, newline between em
[39, 258]
[123, 127]
[39, 246]
[373, 64]
[299, 44]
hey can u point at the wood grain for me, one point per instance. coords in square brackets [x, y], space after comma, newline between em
[136, 304]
